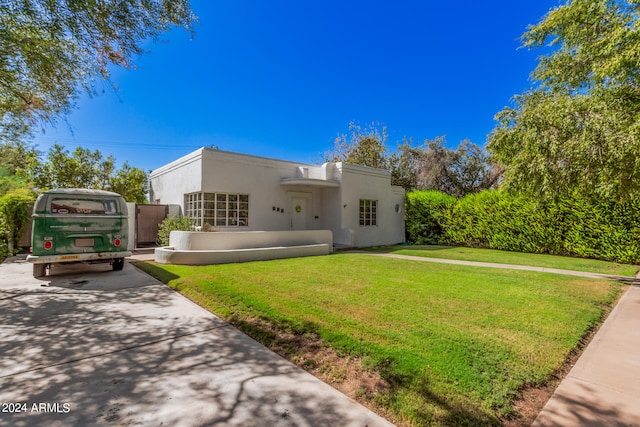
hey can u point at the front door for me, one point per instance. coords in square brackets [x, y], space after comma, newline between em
[300, 211]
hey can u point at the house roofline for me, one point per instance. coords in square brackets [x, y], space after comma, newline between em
[201, 152]
[364, 170]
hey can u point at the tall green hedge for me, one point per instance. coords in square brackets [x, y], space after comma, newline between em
[424, 210]
[495, 219]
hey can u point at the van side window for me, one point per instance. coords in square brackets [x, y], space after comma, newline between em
[64, 206]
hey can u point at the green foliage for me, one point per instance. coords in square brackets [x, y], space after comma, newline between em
[423, 217]
[499, 220]
[495, 219]
[80, 169]
[170, 224]
[604, 230]
[404, 165]
[53, 49]
[578, 128]
[86, 169]
[15, 210]
[553, 144]
[365, 147]
[10, 182]
[597, 45]
[431, 166]
[15, 157]
[131, 183]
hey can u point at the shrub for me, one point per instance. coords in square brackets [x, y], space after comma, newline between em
[170, 224]
[605, 230]
[424, 212]
[498, 220]
[15, 210]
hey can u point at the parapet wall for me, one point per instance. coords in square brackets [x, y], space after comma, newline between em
[198, 240]
[203, 248]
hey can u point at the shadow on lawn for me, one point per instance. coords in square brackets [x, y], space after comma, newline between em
[445, 413]
[141, 355]
[436, 409]
[153, 270]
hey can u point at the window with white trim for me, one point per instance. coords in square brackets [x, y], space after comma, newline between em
[217, 209]
[368, 212]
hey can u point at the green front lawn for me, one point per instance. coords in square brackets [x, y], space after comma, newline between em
[516, 258]
[455, 343]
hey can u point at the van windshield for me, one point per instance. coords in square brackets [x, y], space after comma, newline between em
[84, 206]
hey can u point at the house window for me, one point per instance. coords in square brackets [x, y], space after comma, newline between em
[193, 207]
[368, 212]
[217, 209]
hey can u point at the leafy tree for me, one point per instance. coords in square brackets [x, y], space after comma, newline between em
[578, 127]
[470, 170]
[51, 50]
[10, 182]
[433, 166]
[15, 157]
[363, 146]
[404, 165]
[81, 169]
[88, 169]
[131, 183]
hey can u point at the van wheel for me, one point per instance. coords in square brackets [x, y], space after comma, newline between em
[39, 270]
[118, 264]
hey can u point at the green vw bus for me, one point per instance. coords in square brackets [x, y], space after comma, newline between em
[78, 225]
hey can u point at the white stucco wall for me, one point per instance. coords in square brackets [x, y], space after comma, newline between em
[361, 182]
[198, 241]
[214, 171]
[269, 202]
[329, 194]
[131, 224]
[170, 183]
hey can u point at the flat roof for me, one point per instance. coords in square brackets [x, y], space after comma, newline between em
[83, 191]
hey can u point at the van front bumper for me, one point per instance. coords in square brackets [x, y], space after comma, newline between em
[94, 256]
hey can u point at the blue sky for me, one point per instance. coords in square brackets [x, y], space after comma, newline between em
[283, 78]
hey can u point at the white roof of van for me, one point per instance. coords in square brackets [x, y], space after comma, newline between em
[83, 191]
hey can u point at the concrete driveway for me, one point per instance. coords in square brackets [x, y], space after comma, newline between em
[90, 346]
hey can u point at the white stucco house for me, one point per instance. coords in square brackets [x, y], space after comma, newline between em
[239, 192]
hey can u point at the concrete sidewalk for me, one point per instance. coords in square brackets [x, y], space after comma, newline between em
[603, 387]
[92, 347]
[504, 266]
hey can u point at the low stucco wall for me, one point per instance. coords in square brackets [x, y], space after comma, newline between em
[203, 248]
[194, 240]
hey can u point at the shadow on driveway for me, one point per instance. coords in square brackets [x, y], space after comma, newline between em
[95, 347]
